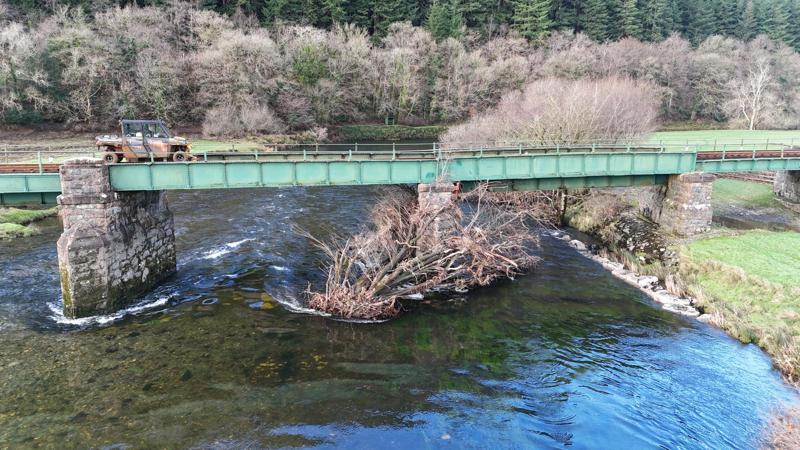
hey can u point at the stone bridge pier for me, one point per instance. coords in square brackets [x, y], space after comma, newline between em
[787, 185]
[440, 197]
[683, 207]
[115, 245]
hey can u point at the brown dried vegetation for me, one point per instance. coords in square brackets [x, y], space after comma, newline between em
[403, 254]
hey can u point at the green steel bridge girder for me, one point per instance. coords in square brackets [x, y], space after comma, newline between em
[522, 172]
[241, 174]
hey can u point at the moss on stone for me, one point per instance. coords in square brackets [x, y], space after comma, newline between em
[24, 216]
[13, 230]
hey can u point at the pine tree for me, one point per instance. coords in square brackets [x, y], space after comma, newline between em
[565, 14]
[532, 18]
[728, 17]
[630, 19]
[702, 22]
[657, 20]
[387, 12]
[358, 12]
[777, 26]
[333, 12]
[748, 27]
[594, 20]
[445, 19]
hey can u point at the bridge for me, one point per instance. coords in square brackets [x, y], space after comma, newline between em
[118, 238]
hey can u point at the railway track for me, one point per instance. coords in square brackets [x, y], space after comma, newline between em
[29, 168]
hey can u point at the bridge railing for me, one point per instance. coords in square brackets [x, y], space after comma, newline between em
[22, 159]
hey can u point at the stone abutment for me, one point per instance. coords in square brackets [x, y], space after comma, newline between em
[683, 207]
[787, 185]
[115, 245]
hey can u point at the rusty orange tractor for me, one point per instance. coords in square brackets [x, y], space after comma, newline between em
[143, 140]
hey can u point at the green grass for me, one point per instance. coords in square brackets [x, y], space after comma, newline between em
[25, 216]
[732, 139]
[750, 283]
[746, 194]
[773, 256]
[214, 145]
[13, 230]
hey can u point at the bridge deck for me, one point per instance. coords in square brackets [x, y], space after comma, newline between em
[527, 168]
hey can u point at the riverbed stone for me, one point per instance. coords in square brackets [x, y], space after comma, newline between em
[647, 281]
[578, 245]
[115, 245]
[787, 185]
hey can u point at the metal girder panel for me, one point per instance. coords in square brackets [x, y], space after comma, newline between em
[569, 165]
[212, 175]
[29, 198]
[542, 184]
[46, 182]
[748, 165]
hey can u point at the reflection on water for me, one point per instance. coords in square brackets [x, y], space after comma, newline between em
[566, 356]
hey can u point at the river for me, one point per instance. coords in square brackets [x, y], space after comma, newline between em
[567, 356]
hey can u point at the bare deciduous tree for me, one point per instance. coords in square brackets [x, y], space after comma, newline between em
[751, 98]
[557, 111]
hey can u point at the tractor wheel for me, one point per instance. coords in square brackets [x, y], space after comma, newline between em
[179, 156]
[111, 158]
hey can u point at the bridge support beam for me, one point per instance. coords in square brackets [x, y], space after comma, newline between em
[682, 208]
[787, 185]
[438, 196]
[115, 245]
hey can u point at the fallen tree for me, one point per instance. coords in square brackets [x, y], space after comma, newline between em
[405, 252]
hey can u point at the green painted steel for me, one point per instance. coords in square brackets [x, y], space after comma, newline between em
[19, 189]
[29, 198]
[520, 168]
[748, 165]
[240, 174]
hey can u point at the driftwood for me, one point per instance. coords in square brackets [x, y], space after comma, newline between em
[368, 273]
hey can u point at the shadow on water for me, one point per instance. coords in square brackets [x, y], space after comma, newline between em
[565, 356]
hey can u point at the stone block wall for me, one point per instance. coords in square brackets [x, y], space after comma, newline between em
[115, 245]
[686, 208]
[440, 197]
[787, 185]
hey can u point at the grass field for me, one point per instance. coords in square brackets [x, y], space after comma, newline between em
[708, 139]
[749, 282]
[745, 194]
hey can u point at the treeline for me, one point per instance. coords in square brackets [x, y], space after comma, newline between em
[650, 20]
[193, 66]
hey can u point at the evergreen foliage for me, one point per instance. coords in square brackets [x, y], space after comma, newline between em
[602, 20]
[532, 18]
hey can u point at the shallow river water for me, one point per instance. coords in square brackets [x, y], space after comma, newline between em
[567, 356]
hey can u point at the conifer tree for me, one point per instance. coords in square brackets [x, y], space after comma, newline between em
[565, 14]
[631, 19]
[532, 18]
[594, 20]
[387, 12]
[728, 17]
[702, 23]
[777, 25]
[444, 19]
[748, 27]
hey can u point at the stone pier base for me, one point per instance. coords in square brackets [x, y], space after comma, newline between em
[115, 245]
[440, 197]
[682, 208]
[787, 185]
